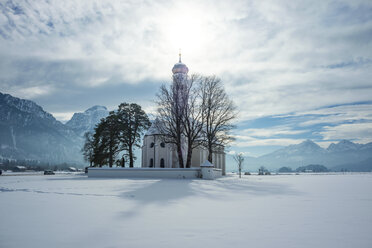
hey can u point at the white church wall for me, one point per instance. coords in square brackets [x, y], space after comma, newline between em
[175, 173]
[157, 151]
[217, 173]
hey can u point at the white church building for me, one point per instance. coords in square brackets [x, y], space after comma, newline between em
[158, 154]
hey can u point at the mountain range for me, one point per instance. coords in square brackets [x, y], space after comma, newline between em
[342, 155]
[28, 132]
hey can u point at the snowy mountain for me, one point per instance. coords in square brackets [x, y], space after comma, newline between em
[86, 121]
[308, 152]
[29, 132]
[307, 147]
[343, 145]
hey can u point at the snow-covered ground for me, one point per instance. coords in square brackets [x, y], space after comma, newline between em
[255, 211]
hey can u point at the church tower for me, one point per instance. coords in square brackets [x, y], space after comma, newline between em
[180, 84]
[156, 153]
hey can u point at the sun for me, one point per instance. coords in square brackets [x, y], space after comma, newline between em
[184, 31]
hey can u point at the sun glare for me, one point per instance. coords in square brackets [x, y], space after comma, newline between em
[184, 31]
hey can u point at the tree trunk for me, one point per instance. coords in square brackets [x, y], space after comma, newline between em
[131, 160]
[111, 161]
[180, 157]
[210, 153]
[189, 156]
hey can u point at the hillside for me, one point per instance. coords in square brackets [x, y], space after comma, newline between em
[29, 132]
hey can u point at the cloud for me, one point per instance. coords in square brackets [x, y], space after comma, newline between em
[233, 152]
[338, 114]
[63, 116]
[248, 141]
[32, 92]
[271, 132]
[358, 132]
[290, 60]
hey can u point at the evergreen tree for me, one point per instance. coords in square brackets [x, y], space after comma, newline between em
[132, 122]
[106, 141]
[120, 132]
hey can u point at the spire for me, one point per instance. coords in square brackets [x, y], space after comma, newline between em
[179, 60]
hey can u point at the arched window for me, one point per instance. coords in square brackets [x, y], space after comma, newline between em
[162, 144]
[152, 144]
[162, 164]
[151, 162]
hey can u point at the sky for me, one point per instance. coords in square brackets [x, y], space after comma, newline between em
[296, 70]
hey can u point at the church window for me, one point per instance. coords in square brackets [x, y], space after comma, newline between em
[152, 144]
[162, 163]
[162, 144]
[151, 162]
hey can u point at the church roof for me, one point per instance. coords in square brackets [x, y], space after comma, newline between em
[180, 68]
[153, 130]
[206, 164]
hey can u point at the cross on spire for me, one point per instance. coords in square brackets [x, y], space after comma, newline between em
[179, 61]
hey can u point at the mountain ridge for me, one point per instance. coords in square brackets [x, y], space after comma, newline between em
[86, 121]
[308, 152]
[29, 132]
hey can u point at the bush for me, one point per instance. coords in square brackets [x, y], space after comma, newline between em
[285, 170]
[263, 171]
[312, 168]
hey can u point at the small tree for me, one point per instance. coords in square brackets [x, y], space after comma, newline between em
[88, 148]
[262, 170]
[239, 158]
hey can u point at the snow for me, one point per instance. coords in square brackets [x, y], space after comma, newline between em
[332, 210]
[206, 164]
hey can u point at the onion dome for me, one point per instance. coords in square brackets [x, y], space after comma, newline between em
[180, 67]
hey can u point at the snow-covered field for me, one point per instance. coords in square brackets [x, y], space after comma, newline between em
[255, 211]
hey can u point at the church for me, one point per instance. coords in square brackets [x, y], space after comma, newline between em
[158, 154]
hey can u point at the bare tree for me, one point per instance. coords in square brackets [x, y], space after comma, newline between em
[197, 111]
[239, 158]
[171, 106]
[218, 114]
[193, 116]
